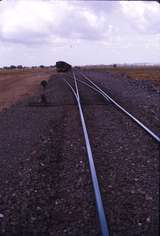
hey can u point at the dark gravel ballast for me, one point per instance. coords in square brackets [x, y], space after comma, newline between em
[45, 183]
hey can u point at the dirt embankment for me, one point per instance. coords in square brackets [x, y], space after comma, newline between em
[17, 85]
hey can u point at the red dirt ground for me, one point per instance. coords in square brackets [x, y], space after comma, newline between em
[16, 85]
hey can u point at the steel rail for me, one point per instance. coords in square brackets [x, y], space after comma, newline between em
[90, 86]
[99, 204]
[105, 95]
[93, 88]
[70, 87]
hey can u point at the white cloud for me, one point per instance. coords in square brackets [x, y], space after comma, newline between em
[100, 30]
[42, 21]
[143, 16]
[35, 21]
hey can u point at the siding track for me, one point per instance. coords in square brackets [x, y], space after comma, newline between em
[108, 98]
[99, 204]
[87, 82]
[45, 180]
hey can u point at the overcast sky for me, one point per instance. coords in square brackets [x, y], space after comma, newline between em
[35, 32]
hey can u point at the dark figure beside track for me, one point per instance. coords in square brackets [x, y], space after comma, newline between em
[44, 84]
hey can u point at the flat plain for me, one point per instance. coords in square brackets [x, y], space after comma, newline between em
[45, 184]
[134, 72]
[15, 85]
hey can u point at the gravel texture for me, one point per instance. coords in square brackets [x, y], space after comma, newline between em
[45, 186]
[140, 97]
[129, 176]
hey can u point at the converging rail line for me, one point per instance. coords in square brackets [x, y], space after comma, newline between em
[99, 204]
[108, 98]
[87, 82]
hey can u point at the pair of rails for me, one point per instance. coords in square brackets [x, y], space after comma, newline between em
[73, 86]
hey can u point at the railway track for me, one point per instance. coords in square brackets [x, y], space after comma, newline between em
[99, 204]
[73, 85]
[44, 166]
[93, 86]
